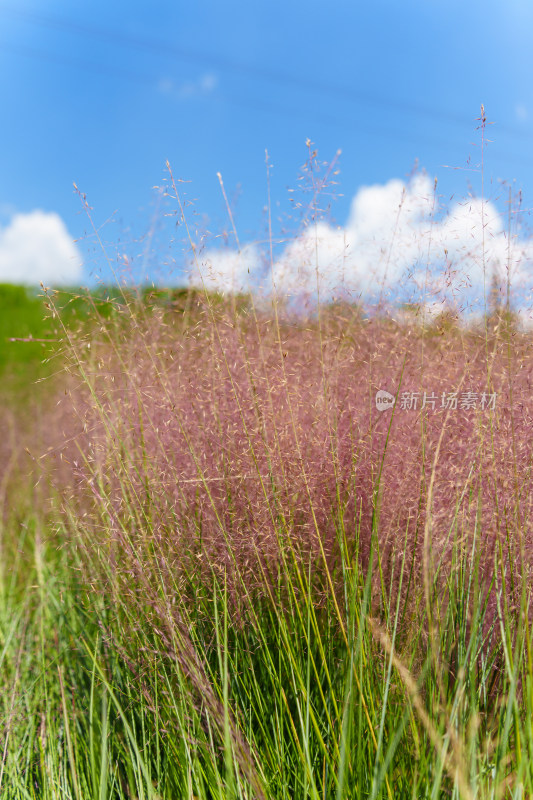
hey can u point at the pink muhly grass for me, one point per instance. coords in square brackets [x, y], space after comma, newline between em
[229, 444]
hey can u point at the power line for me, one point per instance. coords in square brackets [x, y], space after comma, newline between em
[92, 66]
[267, 107]
[240, 67]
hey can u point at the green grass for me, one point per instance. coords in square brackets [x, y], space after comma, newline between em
[30, 334]
[22, 318]
[134, 678]
[99, 702]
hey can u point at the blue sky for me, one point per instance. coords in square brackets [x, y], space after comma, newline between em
[103, 94]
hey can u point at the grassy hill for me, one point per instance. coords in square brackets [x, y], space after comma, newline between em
[23, 327]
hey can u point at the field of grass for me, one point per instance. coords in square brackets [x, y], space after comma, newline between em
[232, 577]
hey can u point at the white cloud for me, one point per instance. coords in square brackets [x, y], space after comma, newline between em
[208, 82]
[226, 270]
[398, 244]
[37, 247]
[383, 234]
[521, 112]
[200, 86]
